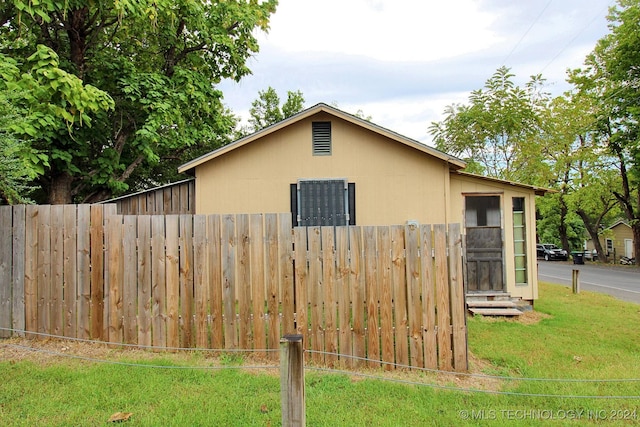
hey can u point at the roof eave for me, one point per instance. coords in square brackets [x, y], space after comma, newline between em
[539, 191]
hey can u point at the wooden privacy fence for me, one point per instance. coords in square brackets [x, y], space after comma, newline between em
[359, 295]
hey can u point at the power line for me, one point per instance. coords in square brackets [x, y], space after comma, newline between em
[566, 46]
[526, 32]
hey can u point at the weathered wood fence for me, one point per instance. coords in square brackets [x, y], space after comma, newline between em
[374, 295]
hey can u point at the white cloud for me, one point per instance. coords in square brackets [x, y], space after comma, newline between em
[400, 30]
[403, 61]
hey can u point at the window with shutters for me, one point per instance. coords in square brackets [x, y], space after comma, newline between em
[321, 138]
[318, 202]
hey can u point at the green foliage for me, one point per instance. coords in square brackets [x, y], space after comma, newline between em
[19, 162]
[609, 79]
[551, 220]
[141, 73]
[496, 128]
[266, 110]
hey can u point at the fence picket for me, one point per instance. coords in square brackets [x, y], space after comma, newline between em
[258, 295]
[386, 297]
[57, 262]
[357, 295]
[6, 261]
[83, 271]
[429, 298]
[344, 294]
[315, 293]
[166, 268]
[229, 244]
[301, 285]
[330, 301]
[18, 269]
[372, 294]
[186, 280]
[214, 257]
[272, 285]
[398, 276]
[31, 269]
[115, 268]
[286, 273]
[200, 287]
[164, 253]
[97, 247]
[44, 271]
[244, 281]
[72, 291]
[144, 279]
[458, 315]
[414, 288]
[130, 280]
[442, 298]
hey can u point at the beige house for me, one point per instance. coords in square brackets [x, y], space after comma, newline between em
[328, 167]
[616, 241]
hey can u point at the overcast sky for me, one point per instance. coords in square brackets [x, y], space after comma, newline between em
[403, 61]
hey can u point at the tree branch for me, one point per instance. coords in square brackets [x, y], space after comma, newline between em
[129, 170]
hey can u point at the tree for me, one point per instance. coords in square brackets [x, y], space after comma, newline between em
[494, 132]
[266, 110]
[611, 78]
[143, 74]
[577, 167]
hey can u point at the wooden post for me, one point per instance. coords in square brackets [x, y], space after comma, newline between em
[292, 380]
[576, 281]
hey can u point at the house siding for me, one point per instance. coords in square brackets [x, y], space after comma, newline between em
[618, 233]
[394, 183]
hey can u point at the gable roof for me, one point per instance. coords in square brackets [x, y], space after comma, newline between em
[454, 162]
[617, 223]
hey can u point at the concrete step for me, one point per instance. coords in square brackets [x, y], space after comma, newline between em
[495, 311]
[491, 304]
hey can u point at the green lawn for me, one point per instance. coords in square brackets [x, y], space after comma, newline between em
[585, 336]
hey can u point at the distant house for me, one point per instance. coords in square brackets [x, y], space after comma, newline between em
[616, 241]
[328, 167]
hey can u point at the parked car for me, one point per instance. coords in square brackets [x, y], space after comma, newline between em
[551, 252]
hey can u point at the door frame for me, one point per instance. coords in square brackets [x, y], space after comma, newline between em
[499, 224]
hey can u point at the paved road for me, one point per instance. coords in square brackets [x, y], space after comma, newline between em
[620, 282]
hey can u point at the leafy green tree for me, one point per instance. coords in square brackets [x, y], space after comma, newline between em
[494, 131]
[610, 78]
[125, 85]
[266, 110]
[577, 167]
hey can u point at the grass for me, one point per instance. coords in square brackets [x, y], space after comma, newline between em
[584, 336]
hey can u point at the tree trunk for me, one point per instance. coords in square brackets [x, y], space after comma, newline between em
[592, 229]
[562, 230]
[60, 189]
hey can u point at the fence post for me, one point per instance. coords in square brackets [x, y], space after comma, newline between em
[576, 281]
[292, 380]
